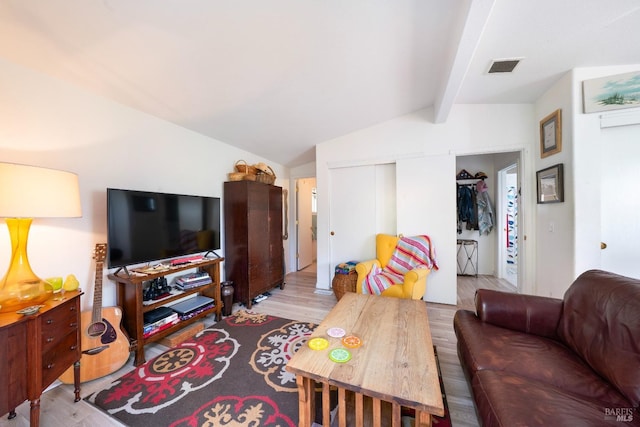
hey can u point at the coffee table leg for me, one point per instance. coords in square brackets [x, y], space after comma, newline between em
[396, 415]
[342, 407]
[423, 419]
[326, 404]
[306, 400]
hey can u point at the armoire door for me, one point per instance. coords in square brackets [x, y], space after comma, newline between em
[259, 250]
[276, 248]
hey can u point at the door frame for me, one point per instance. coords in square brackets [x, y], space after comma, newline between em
[297, 223]
[526, 201]
[502, 225]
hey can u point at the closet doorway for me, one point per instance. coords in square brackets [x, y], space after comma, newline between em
[498, 247]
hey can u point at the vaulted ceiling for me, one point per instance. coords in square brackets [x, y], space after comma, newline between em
[277, 77]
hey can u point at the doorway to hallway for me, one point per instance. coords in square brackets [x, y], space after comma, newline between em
[507, 218]
[306, 211]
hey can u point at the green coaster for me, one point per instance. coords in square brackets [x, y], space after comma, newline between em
[340, 355]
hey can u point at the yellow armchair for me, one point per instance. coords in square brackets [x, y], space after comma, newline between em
[415, 281]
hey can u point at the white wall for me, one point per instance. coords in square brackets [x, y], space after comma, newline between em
[574, 245]
[470, 129]
[47, 122]
[555, 222]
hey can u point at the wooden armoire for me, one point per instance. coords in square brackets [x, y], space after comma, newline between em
[254, 252]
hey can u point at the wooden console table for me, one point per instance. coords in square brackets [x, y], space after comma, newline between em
[129, 297]
[394, 367]
[37, 349]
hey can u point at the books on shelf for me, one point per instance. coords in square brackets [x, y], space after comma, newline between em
[160, 325]
[161, 328]
[192, 280]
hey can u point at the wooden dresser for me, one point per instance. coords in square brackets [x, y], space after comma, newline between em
[254, 254]
[35, 350]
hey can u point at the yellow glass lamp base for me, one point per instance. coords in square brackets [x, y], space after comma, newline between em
[20, 287]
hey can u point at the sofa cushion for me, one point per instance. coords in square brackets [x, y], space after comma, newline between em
[483, 346]
[525, 313]
[505, 399]
[601, 323]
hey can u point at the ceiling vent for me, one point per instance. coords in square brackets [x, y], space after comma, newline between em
[503, 65]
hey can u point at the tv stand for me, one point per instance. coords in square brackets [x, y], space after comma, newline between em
[124, 268]
[129, 296]
[206, 255]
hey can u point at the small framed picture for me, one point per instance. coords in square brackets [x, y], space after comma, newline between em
[551, 134]
[551, 184]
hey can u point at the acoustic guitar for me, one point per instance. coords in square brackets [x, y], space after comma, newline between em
[105, 347]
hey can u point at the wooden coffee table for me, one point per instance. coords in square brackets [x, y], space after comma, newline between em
[395, 366]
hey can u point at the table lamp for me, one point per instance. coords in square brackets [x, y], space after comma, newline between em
[28, 192]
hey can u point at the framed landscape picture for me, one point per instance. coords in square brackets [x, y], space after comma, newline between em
[611, 92]
[551, 184]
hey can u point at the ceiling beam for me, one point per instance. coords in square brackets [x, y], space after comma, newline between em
[474, 24]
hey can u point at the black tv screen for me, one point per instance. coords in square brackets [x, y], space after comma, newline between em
[145, 226]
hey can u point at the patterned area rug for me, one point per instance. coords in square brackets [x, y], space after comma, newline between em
[231, 374]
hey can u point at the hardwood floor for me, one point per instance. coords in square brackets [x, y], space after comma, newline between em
[299, 300]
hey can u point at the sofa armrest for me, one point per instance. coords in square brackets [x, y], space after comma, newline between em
[362, 269]
[531, 314]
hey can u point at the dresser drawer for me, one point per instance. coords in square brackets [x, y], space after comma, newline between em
[57, 323]
[56, 360]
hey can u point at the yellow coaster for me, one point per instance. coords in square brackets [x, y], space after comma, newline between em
[318, 343]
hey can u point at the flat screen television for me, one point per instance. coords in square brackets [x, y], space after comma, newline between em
[145, 226]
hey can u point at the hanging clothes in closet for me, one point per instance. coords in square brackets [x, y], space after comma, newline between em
[467, 207]
[485, 210]
[474, 207]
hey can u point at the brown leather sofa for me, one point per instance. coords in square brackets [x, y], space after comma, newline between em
[537, 361]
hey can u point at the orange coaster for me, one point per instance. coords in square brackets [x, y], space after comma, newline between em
[351, 341]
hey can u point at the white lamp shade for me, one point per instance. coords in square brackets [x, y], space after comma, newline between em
[35, 192]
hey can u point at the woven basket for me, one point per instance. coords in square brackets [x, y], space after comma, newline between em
[266, 177]
[242, 166]
[342, 283]
[236, 176]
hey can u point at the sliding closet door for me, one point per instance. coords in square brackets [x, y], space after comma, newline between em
[362, 203]
[426, 200]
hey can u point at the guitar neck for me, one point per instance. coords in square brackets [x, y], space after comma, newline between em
[97, 294]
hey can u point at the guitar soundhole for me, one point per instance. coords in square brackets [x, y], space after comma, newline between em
[96, 329]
